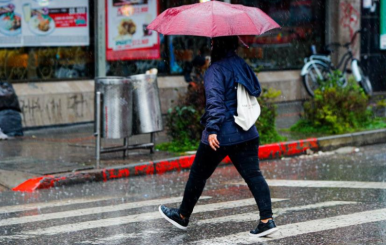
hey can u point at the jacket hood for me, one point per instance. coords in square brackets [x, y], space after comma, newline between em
[243, 74]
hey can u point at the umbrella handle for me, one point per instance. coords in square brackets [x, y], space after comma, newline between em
[246, 45]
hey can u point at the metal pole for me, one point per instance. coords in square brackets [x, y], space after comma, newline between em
[98, 129]
[125, 144]
[100, 38]
[152, 139]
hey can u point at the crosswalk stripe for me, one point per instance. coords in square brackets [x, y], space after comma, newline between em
[322, 184]
[123, 236]
[301, 228]
[135, 218]
[232, 218]
[88, 211]
[246, 217]
[56, 203]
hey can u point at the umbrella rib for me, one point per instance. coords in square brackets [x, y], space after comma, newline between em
[254, 25]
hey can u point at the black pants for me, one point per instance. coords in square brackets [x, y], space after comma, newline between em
[245, 158]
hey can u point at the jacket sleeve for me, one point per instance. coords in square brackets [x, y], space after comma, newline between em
[215, 96]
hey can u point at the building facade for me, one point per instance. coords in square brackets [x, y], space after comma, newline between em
[54, 81]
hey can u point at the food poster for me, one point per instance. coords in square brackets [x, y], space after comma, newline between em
[10, 23]
[55, 22]
[127, 34]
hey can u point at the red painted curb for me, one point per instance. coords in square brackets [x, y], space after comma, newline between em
[270, 151]
[285, 149]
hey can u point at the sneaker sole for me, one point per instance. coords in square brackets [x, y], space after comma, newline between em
[172, 221]
[265, 233]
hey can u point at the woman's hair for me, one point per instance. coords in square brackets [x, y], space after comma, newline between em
[222, 46]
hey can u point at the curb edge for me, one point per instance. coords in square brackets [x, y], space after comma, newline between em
[269, 151]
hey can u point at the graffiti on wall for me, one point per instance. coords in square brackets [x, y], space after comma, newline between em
[69, 108]
[350, 17]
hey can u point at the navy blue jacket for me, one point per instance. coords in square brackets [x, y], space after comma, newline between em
[220, 82]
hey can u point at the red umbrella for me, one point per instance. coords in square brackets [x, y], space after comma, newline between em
[213, 19]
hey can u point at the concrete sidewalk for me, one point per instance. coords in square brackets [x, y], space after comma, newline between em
[65, 149]
[63, 156]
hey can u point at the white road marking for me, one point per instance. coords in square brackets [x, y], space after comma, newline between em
[118, 237]
[88, 211]
[135, 218]
[301, 228]
[232, 218]
[246, 217]
[58, 203]
[322, 184]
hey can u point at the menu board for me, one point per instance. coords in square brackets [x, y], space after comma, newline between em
[44, 23]
[127, 34]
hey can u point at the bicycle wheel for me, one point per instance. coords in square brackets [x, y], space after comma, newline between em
[315, 74]
[365, 82]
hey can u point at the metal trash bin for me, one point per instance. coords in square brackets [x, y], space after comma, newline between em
[117, 107]
[147, 117]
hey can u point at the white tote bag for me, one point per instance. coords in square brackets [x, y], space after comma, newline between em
[248, 109]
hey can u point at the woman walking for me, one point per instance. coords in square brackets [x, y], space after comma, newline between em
[223, 137]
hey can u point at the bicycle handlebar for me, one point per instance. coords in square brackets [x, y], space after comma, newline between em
[346, 45]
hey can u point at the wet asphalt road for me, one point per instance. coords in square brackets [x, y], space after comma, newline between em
[332, 202]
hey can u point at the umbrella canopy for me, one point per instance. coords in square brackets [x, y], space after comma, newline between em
[213, 19]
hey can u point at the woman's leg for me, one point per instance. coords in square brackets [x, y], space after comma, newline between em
[245, 158]
[204, 164]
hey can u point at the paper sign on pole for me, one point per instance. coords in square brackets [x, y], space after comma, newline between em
[127, 36]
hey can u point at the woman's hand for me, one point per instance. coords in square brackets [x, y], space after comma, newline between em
[213, 142]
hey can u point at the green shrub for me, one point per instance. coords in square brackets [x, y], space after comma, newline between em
[335, 109]
[183, 121]
[183, 125]
[267, 120]
[381, 104]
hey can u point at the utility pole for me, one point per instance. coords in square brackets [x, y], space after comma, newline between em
[100, 34]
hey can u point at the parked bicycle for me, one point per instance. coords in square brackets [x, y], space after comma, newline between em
[317, 68]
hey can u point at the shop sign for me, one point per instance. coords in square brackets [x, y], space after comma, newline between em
[44, 23]
[127, 36]
[383, 25]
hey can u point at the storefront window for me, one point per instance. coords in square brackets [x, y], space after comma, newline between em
[133, 67]
[176, 52]
[183, 49]
[131, 48]
[46, 63]
[302, 23]
[45, 41]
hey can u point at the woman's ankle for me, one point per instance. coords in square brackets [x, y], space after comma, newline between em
[265, 220]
